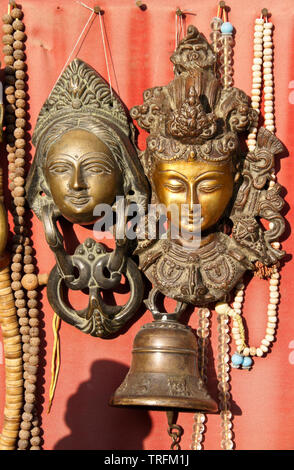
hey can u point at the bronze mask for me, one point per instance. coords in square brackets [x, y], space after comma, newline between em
[193, 156]
[84, 157]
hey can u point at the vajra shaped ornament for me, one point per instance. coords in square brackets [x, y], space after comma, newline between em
[84, 157]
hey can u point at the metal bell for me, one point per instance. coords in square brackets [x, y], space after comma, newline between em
[164, 371]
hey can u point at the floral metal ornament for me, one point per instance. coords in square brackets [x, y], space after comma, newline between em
[193, 155]
[85, 156]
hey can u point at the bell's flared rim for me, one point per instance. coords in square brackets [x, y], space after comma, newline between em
[157, 403]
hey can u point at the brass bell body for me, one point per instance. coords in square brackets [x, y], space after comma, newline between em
[164, 371]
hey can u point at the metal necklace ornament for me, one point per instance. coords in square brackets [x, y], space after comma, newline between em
[85, 158]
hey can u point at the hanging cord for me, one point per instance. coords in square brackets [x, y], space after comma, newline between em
[99, 12]
[178, 26]
[55, 361]
[94, 11]
[180, 22]
[105, 54]
[77, 42]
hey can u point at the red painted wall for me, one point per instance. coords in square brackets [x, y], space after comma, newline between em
[91, 369]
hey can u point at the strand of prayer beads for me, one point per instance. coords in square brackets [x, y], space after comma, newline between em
[202, 334]
[22, 267]
[262, 69]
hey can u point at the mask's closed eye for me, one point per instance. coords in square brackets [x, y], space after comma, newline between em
[59, 167]
[174, 185]
[97, 168]
[209, 187]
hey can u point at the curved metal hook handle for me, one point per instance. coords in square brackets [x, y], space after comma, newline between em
[104, 276]
[157, 315]
[55, 241]
[97, 319]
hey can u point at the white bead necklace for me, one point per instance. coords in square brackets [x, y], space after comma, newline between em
[262, 71]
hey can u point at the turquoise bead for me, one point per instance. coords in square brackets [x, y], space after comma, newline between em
[247, 362]
[227, 28]
[237, 360]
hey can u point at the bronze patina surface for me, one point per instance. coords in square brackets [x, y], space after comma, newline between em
[193, 156]
[85, 156]
[164, 372]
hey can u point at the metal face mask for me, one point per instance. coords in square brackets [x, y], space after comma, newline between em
[193, 156]
[85, 157]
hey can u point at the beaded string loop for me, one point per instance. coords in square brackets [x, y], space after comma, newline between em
[226, 52]
[224, 382]
[202, 334]
[222, 44]
[242, 356]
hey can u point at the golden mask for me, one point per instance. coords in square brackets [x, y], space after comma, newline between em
[193, 156]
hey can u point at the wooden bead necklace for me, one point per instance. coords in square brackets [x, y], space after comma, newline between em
[23, 280]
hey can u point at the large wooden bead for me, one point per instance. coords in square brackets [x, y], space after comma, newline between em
[30, 281]
[20, 122]
[22, 312]
[28, 407]
[30, 397]
[35, 441]
[10, 99]
[25, 425]
[7, 18]
[20, 75]
[16, 13]
[19, 36]
[23, 444]
[20, 113]
[27, 417]
[35, 341]
[18, 25]
[7, 39]
[7, 29]
[19, 65]
[19, 54]
[18, 45]
[29, 268]
[9, 60]
[34, 332]
[19, 133]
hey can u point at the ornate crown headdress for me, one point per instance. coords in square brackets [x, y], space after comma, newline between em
[82, 98]
[193, 117]
[81, 90]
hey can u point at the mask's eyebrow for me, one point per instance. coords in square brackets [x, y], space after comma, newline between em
[101, 156]
[171, 171]
[62, 157]
[209, 174]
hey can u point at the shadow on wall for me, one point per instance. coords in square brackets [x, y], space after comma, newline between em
[94, 424]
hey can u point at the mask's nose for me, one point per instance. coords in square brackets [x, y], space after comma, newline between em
[77, 180]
